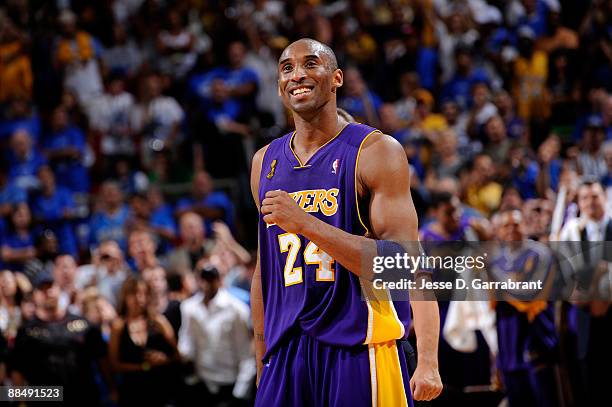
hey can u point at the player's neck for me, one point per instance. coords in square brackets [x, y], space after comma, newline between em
[312, 132]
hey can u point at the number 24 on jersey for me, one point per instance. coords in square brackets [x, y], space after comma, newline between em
[291, 244]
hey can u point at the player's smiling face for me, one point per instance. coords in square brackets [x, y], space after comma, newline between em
[307, 81]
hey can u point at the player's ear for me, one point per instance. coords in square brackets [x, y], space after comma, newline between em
[338, 79]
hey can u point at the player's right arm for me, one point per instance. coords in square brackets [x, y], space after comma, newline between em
[257, 309]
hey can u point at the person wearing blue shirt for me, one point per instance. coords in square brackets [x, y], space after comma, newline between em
[10, 194]
[18, 243]
[209, 204]
[19, 117]
[53, 208]
[459, 87]
[359, 101]
[159, 222]
[65, 147]
[108, 223]
[241, 81]
[24, 160]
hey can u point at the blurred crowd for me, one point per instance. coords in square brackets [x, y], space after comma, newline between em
[127, 231]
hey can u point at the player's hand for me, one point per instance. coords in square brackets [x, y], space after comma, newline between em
[425, 383]
[280, 209]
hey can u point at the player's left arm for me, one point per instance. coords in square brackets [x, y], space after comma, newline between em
[383, 171]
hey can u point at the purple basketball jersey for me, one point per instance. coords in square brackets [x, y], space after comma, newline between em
[304, 290]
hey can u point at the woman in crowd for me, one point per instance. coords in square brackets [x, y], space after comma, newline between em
[142, 348]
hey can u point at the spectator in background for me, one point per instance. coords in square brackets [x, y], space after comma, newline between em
[123, 57]
[18, 243]
[156, 279]
[64, 274]
[222, 357]
[19, 115]
[405, 106]
[98, 311]
[76, 56]
[108, 221]
[557, 35]
[24, 161]
[53, 208]
[426, 123]
[193, 244]
[591, 162]
[58, 348]
[109, 117]
[452, 32]
[525, 172]
[65, 149]
[157, 118]
[176, 46]
[459, 86]
[515, 126]
[458, 122]
[592, 318]
[497, 142]
[391, 124]
[480, 190]
[141, 249]
[10, 194]
[206, 202]
[528, 341]
[107, 271]
[242, 81]
[11, 294]
[359, 101]
[530, 75]
[481, 110]
[225, 130]
[142, 348]
[550, 166]
[446, 160]
[606, 180]
[16, 77]
[538, 218]
[47, 249]
[130, 180]
[156, 223]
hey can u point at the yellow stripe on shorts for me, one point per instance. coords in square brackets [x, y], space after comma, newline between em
[386, 374]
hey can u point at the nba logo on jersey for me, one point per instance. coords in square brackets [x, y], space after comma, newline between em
[335, 166]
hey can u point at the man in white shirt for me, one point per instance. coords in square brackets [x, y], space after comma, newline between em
[593, 218]
[215, 336]
[593, 317]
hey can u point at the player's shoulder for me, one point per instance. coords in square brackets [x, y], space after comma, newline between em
[382, 159]
[381, 143]
[258, 157]
[380, 151]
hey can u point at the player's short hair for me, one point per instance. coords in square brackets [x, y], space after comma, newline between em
[332, 61]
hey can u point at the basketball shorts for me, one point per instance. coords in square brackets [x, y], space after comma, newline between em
[306, 372]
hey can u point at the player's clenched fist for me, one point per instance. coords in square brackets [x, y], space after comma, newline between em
[425, 383]
[279, 208]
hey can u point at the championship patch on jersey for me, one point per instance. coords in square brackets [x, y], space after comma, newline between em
[272, 169]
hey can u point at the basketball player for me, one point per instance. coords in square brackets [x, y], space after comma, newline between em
[328, 193]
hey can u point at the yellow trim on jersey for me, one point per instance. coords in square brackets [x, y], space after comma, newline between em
[326, 143]
[367, 231]
[387, 376]
[383, 323]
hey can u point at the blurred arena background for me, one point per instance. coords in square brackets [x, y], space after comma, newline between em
[127, 128]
